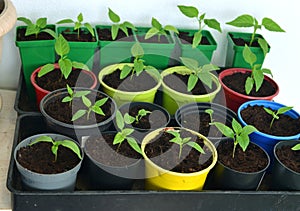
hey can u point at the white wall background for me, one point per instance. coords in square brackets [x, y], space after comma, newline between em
[282, 60]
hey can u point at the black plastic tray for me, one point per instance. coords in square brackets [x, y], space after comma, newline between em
[137, 198]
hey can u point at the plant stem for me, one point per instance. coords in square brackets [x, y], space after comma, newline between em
[272, 123]
[180, 150]
[253, 36]
[234, 146]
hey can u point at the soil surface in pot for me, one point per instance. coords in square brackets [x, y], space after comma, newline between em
[259, 118]
[1, 6]
[166, 154]
[253, 159]
[242, 42]
[63, 112]
[200, 122]
[105, 35]
[153, 120]
[179, 83]
[102, 150]
[54, 80]
[185, 38]
[237, 83]
[41, 36]
[154, 39]
[131, 83]
[290, 158]
[72, 36]
[39, 158]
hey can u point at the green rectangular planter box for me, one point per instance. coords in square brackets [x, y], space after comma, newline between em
[202, 53]
[81, 51]
[234, 56]
[116, 51]
[156, 54]
[34, 54]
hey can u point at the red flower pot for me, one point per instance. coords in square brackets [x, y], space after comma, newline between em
[40, 92]
[235, 99]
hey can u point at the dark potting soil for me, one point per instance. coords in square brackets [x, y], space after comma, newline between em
[242, 42]
[39, 158]
[54, 80]
[64, 111]
[179, 83]
[259, 118]
[186, 39]
[1, 6]
[72, 36]
[155, 119]
[252, 160]
[154, 39]
[105, 35]
[131, 83]
[166, 154]
[41, 36]
[200, 122]
[237, 82]
[101, 149]
[289, 157]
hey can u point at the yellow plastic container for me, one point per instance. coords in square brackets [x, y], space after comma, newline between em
[172, 99]
[122, 97]
[158, 178]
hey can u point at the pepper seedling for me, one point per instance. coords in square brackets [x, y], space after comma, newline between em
[193, 12]
[183, 141]
[210, 112]
[296, 147]
[55, 145]
[116, 26]
[250, 21]
[239, 134]
[159, 30]
[62, 49]
[74, 94]
[138, 64]
[257, 73]
[124, 133]
[90, 107]
[275, 114]
[202, 73]
[141, 113]
[78, 25]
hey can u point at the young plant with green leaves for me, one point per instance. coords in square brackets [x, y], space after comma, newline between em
[159, 30]
[257, 73]
[193, 12]
[116, 26]
[202, 73]
[210, 112]
[184, 141]
[239, 134]
[250, 21]
[275, 114]
[35, 28]
[56, 144]
[124, 133]
[141, 113]
[296, 147]
[96, 108]
[74, 94]
[138, 64]
[78, 25]
[62, 49]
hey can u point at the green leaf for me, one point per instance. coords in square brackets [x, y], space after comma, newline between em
[98, 110]
[42, 139]
[79, 65]
[31, 29]
[119, 138]
[236, 126]
[209, 67]
[191, 64]
[77, 26]
[242, 21]
[101, 102]
[41, 23]
[137, 50]
[62, 46]
[206, 78]
[282, 110]
[132, 142]
[25, 20]
[225, 130]
[192, 81]
[125, 71]
[197, 39]
[243, 141]
[54, 149]
[264, 45]
[81, 93]
[214, 24]
[129, 25]
[72, 146]
[171, 28]
[119, 120]
[65, 66]
[269, 111]
[113, 16]
[124, 29]
[128, 119]
[114, 31]
[296, 147]
[258, 77]
[51, 32]
[156, 24]
[46, 69]
[151, 32]
[65, 21]
[78, 114]
[196, 146]
[189, 11]
[174, 133]
[80, 18]
[248, 129]
[86, 101]
[249, 56]
[138, 67]
[90, 29]
[249, 85]
[66, 99]
[271, 25]
[127, 131]
[267, 71]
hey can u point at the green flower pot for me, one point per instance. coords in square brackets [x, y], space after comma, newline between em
[172, 99]
[234, 57]
[81, 51]
[34, 54]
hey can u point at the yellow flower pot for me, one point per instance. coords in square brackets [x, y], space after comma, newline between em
[122, 97]
[158, 178]
[173, 99]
